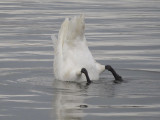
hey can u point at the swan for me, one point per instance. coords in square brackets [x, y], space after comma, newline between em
[73, 60]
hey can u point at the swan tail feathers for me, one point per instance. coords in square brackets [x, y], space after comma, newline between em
[58, 49]
[63, 31]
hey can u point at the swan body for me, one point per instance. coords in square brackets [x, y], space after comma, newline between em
[71, 52]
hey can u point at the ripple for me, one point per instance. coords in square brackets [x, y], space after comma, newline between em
[122, 33]
[128, 114]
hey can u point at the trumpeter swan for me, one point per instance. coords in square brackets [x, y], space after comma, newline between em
[72, 58]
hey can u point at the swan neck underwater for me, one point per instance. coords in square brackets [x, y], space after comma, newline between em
[73, 60]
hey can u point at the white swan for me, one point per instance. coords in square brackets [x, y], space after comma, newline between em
[72, 58]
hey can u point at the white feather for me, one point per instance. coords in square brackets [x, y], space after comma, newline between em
[71, 52]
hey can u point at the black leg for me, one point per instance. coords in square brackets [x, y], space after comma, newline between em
[83, 70]
[116, 76]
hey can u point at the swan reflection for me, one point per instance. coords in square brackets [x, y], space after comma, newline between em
[72, 98]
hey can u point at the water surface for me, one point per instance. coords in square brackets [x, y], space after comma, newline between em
[122, 33]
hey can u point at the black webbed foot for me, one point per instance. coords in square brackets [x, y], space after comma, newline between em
[83, 70]
[117, 77]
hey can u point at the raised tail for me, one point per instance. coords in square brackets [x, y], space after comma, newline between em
[70, 31]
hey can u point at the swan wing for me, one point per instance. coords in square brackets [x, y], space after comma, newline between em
[58, 62]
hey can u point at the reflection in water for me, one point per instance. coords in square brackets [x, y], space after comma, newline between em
[71, 98]
[67, 105]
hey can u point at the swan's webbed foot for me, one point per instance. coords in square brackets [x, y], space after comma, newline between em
[83, 70]
[117, 77]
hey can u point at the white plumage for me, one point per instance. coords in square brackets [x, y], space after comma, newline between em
[71, 52]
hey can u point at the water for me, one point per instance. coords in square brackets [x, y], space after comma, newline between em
[122, 33]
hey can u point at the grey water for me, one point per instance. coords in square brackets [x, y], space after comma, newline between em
[121, 33]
